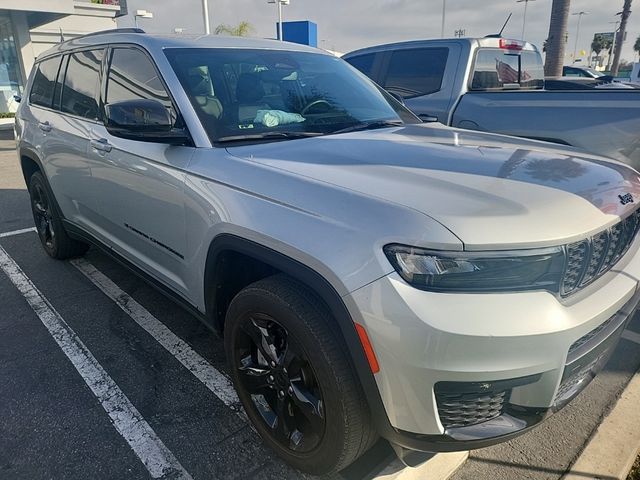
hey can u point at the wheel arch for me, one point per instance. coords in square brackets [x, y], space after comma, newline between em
[30, 164]
[277, 262]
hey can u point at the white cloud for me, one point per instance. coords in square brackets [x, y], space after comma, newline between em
[349, 24]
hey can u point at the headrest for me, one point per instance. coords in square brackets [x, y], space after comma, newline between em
[249, 89]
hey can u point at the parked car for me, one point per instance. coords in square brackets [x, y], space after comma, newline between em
[582, 72]
[497, 85]
[371, 275]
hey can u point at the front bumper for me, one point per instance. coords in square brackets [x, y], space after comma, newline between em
[525, 355]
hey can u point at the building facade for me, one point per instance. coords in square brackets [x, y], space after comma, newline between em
[29, 27]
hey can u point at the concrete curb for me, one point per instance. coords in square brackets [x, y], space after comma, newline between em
[613, 448]
[440, 467]
[6, 123]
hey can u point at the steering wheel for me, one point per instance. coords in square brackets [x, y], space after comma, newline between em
[313, 104]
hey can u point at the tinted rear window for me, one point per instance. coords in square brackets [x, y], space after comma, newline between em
[44, 82]
[82, 83]
[364, 63]
[416, 72]
[496, 69]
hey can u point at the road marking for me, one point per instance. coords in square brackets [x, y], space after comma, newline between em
[126, 419]
[213, 379]
[17, 232]
[632, 336]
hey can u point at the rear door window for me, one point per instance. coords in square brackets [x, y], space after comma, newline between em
[497, 69]
[44, 82]
[80, 92]
[416, 72]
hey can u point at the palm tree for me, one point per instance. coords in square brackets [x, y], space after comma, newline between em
[243, 29]
[636, 46]
[626, 12]
[556, 42]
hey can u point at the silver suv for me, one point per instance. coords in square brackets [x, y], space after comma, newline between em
[372, 275]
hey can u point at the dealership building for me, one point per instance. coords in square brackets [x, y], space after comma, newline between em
[29, 27]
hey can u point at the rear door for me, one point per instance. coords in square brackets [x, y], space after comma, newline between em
[77, 111]
[139, 185]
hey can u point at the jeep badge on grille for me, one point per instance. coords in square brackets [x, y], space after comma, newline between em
[626, 198]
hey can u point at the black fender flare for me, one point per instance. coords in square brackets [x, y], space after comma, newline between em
[324, 289]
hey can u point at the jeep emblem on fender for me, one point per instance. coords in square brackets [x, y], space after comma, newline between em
[626, 198]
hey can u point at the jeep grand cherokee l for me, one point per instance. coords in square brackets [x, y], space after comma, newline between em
[371, 275]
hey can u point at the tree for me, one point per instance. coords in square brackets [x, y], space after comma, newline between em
[626, 12]
[636, 45]
[600, 43]
[556, 42]
[243, 29]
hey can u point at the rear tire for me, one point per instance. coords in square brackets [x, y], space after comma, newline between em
[294, 378]
[54, 238]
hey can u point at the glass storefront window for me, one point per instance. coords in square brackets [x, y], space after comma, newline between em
[10, 78]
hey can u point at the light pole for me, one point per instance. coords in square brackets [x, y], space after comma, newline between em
[575, 46]
[524, 17]
[205, 12]
[141, 14]
[280, 3]
[444, 14]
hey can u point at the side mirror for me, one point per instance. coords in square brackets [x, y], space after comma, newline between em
[426, 118]
[144, 120]
[17, 98]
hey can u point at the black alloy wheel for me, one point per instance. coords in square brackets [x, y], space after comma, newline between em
[283, 387]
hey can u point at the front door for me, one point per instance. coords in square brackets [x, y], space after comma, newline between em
[139, 186]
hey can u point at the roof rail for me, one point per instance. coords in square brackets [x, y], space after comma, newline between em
[113, 30]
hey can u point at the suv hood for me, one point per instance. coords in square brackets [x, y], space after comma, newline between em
[491, 191]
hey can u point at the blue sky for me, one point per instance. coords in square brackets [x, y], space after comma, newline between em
[345, 25]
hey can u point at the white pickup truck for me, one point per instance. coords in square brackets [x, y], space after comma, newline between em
[497, 85]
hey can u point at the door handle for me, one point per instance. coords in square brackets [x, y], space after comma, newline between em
[426, 118]
[45, 126]
[101, 145]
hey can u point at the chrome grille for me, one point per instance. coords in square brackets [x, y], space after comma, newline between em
[589, 259]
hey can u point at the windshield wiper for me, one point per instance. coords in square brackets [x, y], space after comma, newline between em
[266, 136]
[370, 126]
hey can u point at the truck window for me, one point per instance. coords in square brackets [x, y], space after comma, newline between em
[416, 72]
[364, 63]
[44, 82]
[82, 84]
[496, 69]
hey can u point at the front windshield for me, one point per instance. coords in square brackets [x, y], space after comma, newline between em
[245, 94]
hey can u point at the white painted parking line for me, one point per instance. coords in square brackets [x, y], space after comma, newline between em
[17, 232]
[213, 379]
[155, 456]
[632, 336]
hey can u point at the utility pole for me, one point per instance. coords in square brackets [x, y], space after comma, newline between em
[524, 18]
[280, 3]
[444, 14]
[626, 12]
[205, 11]
[556, 41]
[575, 46]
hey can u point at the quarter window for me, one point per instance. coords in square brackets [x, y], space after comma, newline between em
[416, 72]
[132, 76]
[44, 82]
[81, 88]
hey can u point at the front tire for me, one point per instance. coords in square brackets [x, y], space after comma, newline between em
[54, 238]
[294, 378]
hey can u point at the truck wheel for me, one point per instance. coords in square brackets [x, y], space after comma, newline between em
[294, 378]
[53, 236]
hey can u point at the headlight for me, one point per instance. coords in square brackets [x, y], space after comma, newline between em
[500, 271]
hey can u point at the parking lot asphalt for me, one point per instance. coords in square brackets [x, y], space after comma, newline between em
[170, 369]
